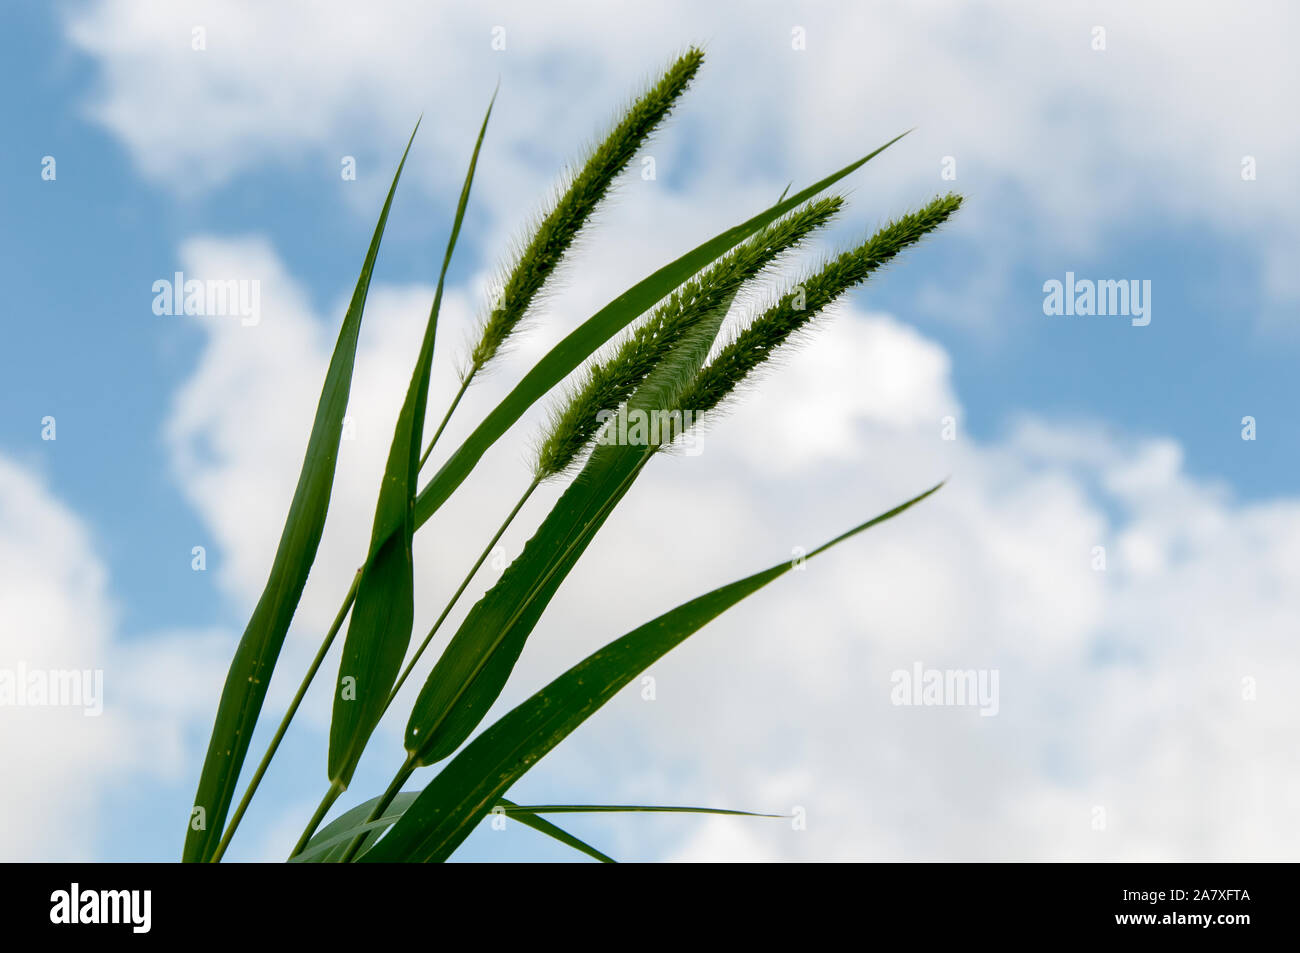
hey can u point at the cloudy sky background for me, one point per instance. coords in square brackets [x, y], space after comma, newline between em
[1121, 690]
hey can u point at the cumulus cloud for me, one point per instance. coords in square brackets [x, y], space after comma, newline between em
[1057, 141]
[1143, 711]
[1143, 714]
[1147, 698]
[63, 760]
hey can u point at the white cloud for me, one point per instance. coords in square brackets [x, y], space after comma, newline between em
[1057, 144]
[61, 763]
[1120, 690]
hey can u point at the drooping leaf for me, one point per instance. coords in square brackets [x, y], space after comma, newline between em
[530, 819]
[380, 629]
[529, 815]
[331, 842]
[259, 648]
[458, 797]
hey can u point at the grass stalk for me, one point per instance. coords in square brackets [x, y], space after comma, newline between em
[322, 809]
[394, 786]
[464, 386]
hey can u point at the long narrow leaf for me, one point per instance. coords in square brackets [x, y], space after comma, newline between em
[528, 815]
[447, 810]
[380, 630]
[259, 648]
[331, 842]
[623, 809]
[529, 819]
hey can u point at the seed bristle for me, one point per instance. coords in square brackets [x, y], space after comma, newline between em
[687, 319]
[793, 312]
[556, 231]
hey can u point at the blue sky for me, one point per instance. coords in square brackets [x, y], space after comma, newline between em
[1092, 174]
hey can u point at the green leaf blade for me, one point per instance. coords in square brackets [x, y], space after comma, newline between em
[379, 632]
[626, 809]
[542, 825]
[250, 671]
[472, 782]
